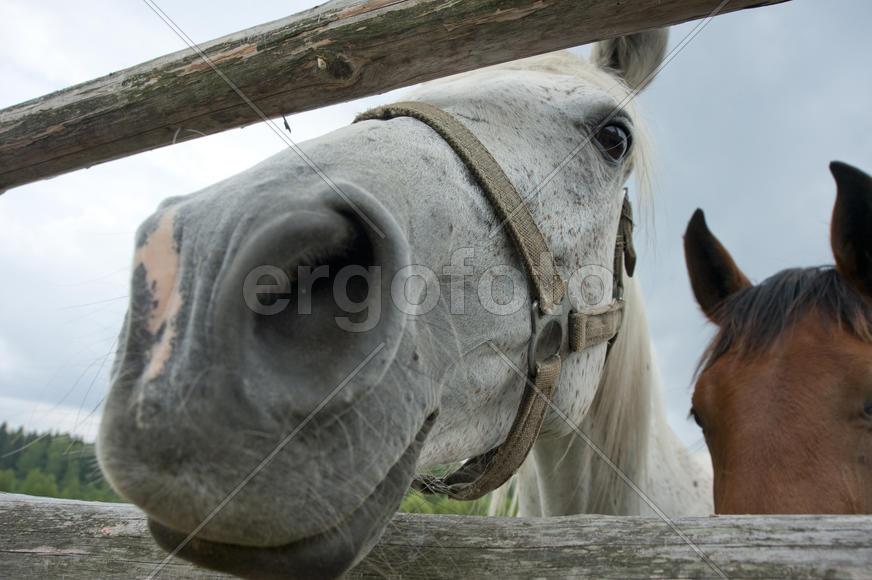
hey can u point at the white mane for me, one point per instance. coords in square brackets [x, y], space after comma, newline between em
[626, 424]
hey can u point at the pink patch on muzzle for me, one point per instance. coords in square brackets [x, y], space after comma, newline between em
[160, 259]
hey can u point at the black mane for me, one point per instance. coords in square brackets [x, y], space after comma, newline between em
[753, 318]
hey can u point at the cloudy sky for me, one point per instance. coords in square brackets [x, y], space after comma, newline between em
[745, 120]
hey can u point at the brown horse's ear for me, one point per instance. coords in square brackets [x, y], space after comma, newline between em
[851, 226]
[713, 273]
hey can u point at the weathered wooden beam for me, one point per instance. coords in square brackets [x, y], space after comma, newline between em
[342, 50]
[77, 539]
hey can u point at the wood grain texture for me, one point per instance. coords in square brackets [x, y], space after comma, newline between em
[336, 52]
[50, 537]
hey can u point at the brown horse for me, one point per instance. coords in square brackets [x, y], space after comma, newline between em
[784, 391]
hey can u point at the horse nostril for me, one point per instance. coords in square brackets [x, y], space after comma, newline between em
[304, 284]
[264, 274]
[270, 289]
[338, 285]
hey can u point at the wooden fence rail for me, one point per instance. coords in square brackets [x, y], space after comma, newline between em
[52, 538]
[342, 50]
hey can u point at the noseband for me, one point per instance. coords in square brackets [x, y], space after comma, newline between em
[554, 324]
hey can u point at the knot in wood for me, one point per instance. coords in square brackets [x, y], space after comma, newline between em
[335, 65]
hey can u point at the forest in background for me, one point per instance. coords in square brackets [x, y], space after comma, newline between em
[51, 465]
[64, 466]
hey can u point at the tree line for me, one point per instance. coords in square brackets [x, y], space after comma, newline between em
[62, 465]
[51, 465]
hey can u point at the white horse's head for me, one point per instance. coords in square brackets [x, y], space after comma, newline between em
[304, 335]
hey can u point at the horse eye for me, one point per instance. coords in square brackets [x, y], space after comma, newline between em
[867, 408]
[696, 418]
[613, 141]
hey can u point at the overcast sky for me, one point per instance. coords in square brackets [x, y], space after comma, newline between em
[744, 119]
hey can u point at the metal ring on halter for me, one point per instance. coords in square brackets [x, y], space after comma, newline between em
[548, 335]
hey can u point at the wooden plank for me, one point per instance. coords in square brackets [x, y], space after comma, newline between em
[54, 537]
[339, 51]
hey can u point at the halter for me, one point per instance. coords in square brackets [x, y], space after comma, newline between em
[553, 324]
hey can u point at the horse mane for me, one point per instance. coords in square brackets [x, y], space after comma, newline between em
[753, 318]
[616, 423]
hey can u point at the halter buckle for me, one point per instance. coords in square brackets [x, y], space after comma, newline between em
[548, 335]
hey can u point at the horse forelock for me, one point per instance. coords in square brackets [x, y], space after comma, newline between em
[753, 319]
[616, 423]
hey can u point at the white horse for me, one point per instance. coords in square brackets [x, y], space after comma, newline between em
[569, 474]
[304, 336]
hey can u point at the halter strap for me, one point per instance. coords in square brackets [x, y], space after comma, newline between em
[552, 324]
[529, 241]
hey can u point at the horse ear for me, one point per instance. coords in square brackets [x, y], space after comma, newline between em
[713, 274]
[634, 57]
[851, 226]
